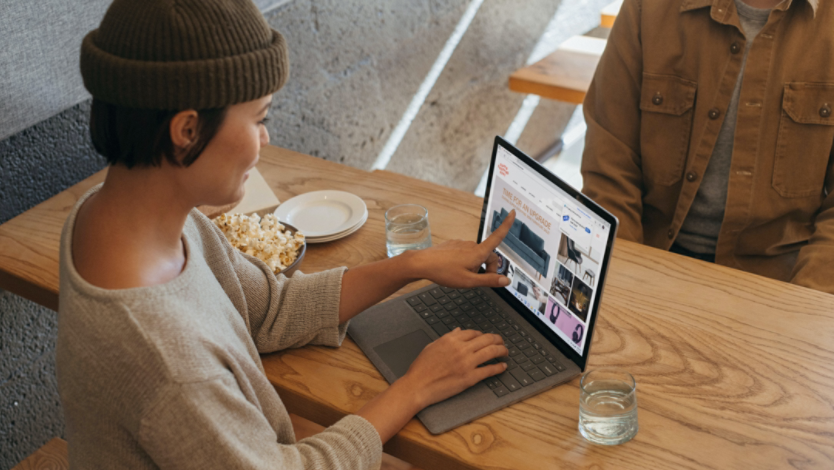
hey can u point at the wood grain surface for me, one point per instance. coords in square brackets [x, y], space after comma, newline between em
[54, 455]
[734, 371]
[564, 75]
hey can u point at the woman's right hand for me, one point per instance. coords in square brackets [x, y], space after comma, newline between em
[449, 365]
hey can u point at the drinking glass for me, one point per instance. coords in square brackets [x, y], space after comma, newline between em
[608, 406]
[407, 228]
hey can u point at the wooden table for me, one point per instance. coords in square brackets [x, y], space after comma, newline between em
[563, 75]
[734, 371]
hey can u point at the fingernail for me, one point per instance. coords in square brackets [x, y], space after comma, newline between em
[505, 364]
[505, 281]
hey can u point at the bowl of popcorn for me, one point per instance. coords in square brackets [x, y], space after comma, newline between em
[281, 246]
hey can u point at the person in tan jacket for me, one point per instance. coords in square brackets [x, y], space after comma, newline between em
[710, 132]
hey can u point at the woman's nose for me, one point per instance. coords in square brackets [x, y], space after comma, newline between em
[264, 136]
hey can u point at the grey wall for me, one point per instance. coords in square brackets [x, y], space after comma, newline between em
[355, 66]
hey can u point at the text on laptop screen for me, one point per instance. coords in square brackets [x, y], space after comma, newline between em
[554, 250]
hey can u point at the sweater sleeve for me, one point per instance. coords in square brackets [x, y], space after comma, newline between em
[280, 312]
[210, 424]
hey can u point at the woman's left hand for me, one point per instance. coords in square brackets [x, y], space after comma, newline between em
[455, 263]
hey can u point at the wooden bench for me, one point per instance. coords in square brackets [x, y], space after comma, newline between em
[609, 14]
[565, 74]
[54, 454]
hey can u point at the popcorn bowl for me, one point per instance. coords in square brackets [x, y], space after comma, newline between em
[289, 270]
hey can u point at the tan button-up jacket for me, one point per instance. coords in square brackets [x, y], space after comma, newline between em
[656, 105]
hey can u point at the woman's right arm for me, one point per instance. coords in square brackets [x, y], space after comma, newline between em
[445, 368]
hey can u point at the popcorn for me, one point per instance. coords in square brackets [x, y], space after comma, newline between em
[266, 239]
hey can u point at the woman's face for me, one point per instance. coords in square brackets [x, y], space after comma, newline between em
[217, 177]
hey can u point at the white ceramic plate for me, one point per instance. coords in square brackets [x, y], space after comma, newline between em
[340, 235]
[323, 213]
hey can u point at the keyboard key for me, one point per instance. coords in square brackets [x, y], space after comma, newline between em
[511, 321]
[440, 329]
[426, 313]
[514, 352]
[427, 298]
[414, 301]
[522, 377]
[493, 383]
[432, 320]
[500, 391]
[514, 338]
[454, 324]
[529, 339]
[509, 381]
[460, 301]
[551, 359]
[537, 375]
[523, 333]
[437, 293]
[507, 332]
[456, 312]
[436, 308]
[451, 306]
[524, 345]
[444, 300]
[521, 359]
[530, 352]
[478, 318]
[492, 303]
[447, 290]
[547, 369]
[502, 325]
[484, 308]
[442, 314]
[528, 366]
[497, 321]
[466, 307]
[511, 365]
[559, 367]
[420, 308]
[469, 325]
[515, 327]
[448, 320]
[453, 294]
[537, 345]
[537, 359]
[469, 295]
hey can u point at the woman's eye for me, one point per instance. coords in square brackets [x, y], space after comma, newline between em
[263, 121]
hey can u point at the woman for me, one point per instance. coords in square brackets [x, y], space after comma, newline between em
[161, 320]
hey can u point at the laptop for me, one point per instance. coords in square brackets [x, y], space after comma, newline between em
[556, 255]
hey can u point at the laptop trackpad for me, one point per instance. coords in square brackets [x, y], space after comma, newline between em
[398, 354]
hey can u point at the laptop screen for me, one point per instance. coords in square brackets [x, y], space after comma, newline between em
[555, 249]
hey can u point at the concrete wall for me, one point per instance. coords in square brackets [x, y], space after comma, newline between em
[355, 67]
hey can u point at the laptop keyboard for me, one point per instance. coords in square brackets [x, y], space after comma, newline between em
[445, 309]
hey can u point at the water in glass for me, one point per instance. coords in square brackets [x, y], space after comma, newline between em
[608, 410]
[407, 231]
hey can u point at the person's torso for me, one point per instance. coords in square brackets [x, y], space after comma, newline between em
[784, 132]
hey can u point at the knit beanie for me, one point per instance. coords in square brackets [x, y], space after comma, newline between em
[183, 54]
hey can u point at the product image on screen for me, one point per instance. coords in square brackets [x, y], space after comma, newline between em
[553, 251]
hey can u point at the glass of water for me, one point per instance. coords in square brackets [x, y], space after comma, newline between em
[608, 406]
[407, 228]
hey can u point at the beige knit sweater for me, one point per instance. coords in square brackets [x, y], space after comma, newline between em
[169, 376]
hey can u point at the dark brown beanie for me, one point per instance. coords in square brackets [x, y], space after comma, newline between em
[183, 54]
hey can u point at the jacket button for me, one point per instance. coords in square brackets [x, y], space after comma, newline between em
[657, 99]
[735, 48]
[825, 111]
[691, 176]
[714, 113]
[671, 233]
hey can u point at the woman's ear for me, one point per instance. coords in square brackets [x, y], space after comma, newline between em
[183, 130]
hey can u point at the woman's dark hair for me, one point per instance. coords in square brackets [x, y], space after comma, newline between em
[141, 137]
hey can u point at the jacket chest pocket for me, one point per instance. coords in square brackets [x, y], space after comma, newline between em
[666, 103]
[806, 135]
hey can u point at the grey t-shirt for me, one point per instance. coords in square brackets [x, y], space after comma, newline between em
[699, 232]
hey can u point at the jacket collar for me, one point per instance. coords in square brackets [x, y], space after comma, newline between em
[688, 5]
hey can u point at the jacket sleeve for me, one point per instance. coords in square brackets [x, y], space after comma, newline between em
[611, 163]
[280, 312]
[210, 424]
[813, 264]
